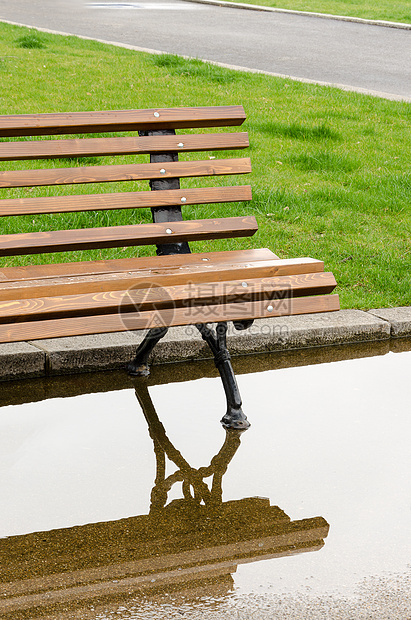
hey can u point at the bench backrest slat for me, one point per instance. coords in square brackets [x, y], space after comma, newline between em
[119, 120]
[156, 129]
[123, 172]
[125, 236]
[89, 147]
[124, 200]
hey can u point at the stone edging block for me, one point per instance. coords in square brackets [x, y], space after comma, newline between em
[20, 360]
[309, 330]
[398, 318]
[87, 353]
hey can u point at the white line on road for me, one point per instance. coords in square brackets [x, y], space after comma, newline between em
[159, 6]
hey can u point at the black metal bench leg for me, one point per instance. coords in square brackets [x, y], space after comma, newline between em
[139, 366]
[234, 417]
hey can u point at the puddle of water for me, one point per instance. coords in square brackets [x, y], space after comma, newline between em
[136, 508]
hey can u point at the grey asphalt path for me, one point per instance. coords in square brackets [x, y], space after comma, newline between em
[356, 56]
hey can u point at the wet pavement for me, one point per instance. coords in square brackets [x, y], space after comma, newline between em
[126, 499]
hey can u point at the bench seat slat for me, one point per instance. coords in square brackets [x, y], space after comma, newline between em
[123, 172]
[89, 147]
[53, 328]
[162, 297]
[208, 271]
[137, 234]
[120, 120]
[124, 200]
[115, 265]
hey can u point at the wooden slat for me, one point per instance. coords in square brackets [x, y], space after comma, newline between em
[120, 120]
[124, 172]
[89, 147]
[115, 236]
[282, 287]
[53, 328]
[180, 273]
[115, 265]
[124, 200]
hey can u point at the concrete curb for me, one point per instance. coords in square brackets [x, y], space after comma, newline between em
[343, 18]
[81, 354]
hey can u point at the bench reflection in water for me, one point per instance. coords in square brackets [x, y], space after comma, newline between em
[192, 544]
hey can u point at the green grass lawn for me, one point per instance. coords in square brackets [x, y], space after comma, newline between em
[331, 169]
[387, 10]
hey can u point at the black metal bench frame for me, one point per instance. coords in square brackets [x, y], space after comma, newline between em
[216, 339]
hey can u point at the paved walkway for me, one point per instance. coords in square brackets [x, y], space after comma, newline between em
[355, 56]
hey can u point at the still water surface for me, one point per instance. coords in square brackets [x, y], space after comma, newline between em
[114, 507]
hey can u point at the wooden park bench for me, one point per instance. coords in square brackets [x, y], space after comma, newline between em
[175, 287]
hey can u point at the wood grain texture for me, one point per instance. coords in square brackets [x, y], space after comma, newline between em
[120, 120]
[207, 271]
[124, 200]
[115, 265]
[124, 172]
[141, 299]
[89, 147]
[54, 328]
[116, 236]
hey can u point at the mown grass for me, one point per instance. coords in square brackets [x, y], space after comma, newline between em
[385, 10]
[331, 169]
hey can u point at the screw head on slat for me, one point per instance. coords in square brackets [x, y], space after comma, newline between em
[162, 171]
[183, 199]
[156, 114]
[168, 231]
[270, 308]
[180, 144]
[244, 284]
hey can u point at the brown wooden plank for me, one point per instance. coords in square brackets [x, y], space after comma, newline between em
[124, 200]
[180, 273]
[119, 120]
[89, 147]
[115, 265]
[281, 287]
[54, 328]
[124, 236]
[123, 172]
